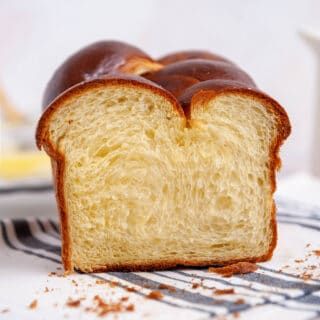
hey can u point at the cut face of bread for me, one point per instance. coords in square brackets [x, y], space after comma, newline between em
[143, 187]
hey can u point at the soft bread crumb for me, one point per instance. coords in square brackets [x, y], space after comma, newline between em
[142, 188]
[236, 268]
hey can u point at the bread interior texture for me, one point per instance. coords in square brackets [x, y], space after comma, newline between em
[142, 185]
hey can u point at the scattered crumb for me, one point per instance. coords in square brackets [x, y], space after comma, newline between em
[163, 286]
[33, 304]
[74, 282]
[146, 286]
[101, 281]
[317, 252]
[73, 303]
[130, 308]
[102, 308]
[236, 314]
[155, 295]
[131, 289]
[56, 274]
[224, 291]
[46, 289]
[305, 276]
[306, 268]
[240, 301]
[236, 268]
[298, 260]
[308, 245]
[195, 285]
[113, 284]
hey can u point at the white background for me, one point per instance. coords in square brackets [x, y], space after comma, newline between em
[261, 36]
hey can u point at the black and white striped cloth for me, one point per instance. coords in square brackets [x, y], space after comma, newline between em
[30, 250]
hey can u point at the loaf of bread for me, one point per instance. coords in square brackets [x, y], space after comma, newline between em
[161, 163]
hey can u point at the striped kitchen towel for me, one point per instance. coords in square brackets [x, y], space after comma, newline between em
[32, 284]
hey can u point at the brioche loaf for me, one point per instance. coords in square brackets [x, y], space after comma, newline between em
[161, 163]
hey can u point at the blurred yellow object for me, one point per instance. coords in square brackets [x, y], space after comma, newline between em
[20, 165]
[10, 113]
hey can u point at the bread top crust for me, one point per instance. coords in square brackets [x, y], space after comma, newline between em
[94, 61]
[179, 76]
[184, 75]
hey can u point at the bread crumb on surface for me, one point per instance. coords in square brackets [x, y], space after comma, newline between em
[101, 281]
[124, 299]
[73, 303]
[236, 268]
[306, 268]
[102, 308]
[74, 282]
[33, 304]
[195, 285]
[299, 260]
[317, 252]
[130, 307]
[163, 286]
[240, 301]
[224, 291]
[155, 295]
[305, 276]
[58, 274]
[131, 289]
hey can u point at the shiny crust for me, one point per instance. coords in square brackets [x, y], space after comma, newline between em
[179, 76]
[94, 61]
[187, 79]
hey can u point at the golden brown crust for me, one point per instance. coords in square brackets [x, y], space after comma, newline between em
[193, 82]
[96, 60]
[197, 72]
[169, 264]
